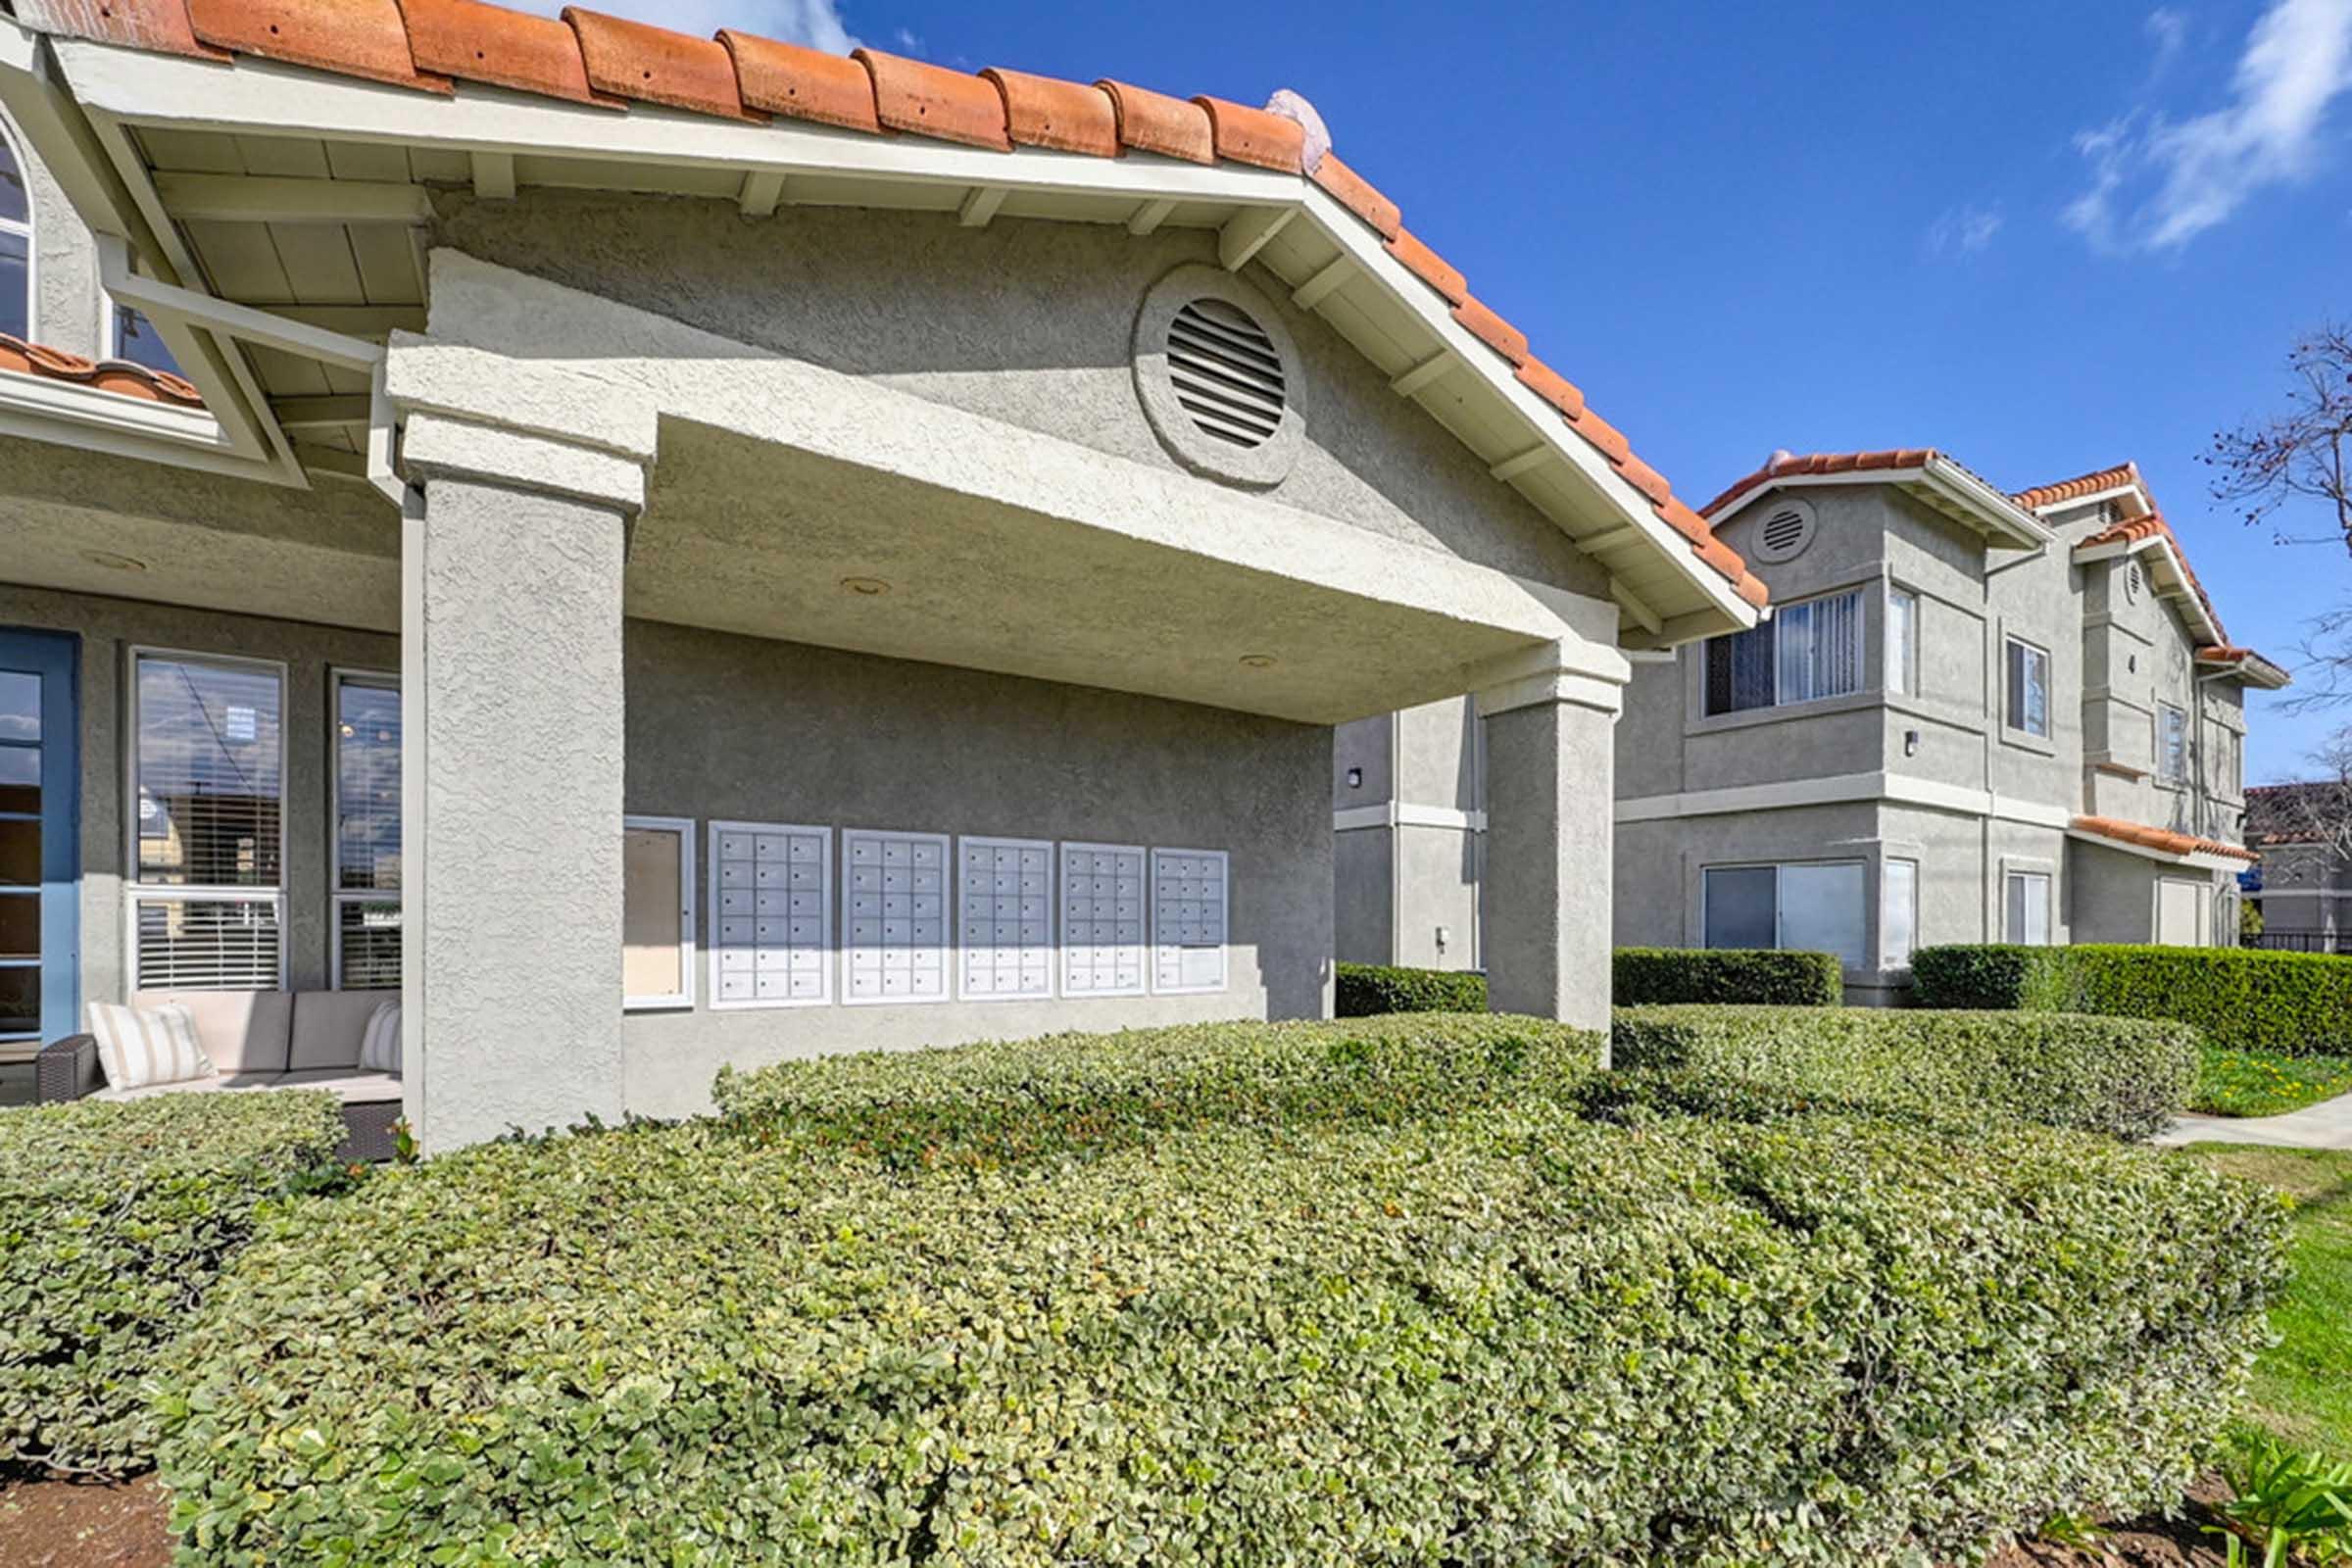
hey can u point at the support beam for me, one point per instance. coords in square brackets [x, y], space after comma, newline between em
[762, 190]
[980, 205]
[494, 177]
[1307, 295]
[316, 339]
[354, 320]
[1243, 237]
[1150, 216]
[1546, 903]
[1422, 374]
[1594, 544]
[1535, 456]
[321, 413]
[332, 461]
[269, 199]
[1631, 603]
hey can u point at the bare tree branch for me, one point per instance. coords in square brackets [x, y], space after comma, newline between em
[2300, 454]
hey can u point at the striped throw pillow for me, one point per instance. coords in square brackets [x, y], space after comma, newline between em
[379, 1046]
[142, 1046]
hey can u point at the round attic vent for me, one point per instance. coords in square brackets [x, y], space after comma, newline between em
[1227, 372]
[1785, 532]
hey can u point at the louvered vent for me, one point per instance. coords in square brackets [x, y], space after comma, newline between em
[2136, 581]
[1785, 532]
[1227, 374]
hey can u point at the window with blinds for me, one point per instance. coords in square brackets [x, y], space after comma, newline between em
[1807, 651]
[367, 870]
[208, 796]
[2029, 682]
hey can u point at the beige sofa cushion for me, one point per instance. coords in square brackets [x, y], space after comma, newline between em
[242, 1031]
[328, 1027]
[351, 1087]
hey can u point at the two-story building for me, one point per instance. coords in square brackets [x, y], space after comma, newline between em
[1973, 715]
[2303, 888]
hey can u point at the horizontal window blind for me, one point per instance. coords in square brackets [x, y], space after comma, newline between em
[367, 944]
[202, 944]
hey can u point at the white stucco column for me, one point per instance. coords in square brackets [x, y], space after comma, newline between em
[1550, 773]
[523, 481]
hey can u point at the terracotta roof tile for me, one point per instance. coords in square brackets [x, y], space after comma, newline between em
[477, 42]
[2090, 484]
[1155, 122]
[1357, 195]
[2133, 530]
[2157, 838]
[1786, 464]
[933, 101]
[590, 57]
[160, 26]
[1254, 135]
[799, 83]
[1067, 116]
[655, 66]
[355, 38]
[108, 375]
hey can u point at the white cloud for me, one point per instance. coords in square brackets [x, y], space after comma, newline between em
[2168, 30]
[1964, 230]
[814, 22]
[2157, 183]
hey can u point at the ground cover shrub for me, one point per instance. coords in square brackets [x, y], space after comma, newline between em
[1079, 1093]
[115, 1218]
[2264, 1083]
[1662, 976]
[1367, 990]
[1509, 1334]
[2123, 1076]
[2243, 999]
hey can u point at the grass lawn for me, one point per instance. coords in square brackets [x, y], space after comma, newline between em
[2303, 1385]
[2258, 1083]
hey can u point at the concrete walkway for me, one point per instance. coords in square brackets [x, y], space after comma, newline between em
[2326, 1125]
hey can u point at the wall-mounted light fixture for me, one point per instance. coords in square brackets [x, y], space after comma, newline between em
[1356, 778]
[1910, 743]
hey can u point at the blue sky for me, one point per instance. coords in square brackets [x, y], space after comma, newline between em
[2043, 238]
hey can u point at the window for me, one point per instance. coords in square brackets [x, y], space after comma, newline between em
[1804, 652]
[366, 869]
[1101, 920]
[772, 915]
[2029, 683]
[896, 901]
[15, 244]
[2229, 763]
[1898, 913]
[1006, 911]
[2027, 918]
[208, 835]
[1188, 920]
[657, 912]
[137, 340]
[2171, 728]
[1811, 906]
[1902, 642]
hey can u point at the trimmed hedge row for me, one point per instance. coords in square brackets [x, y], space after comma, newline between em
[1509, 1335]
[2292, 1004]
[115, 1218]
[1367, 990]
[2124, 1076]
[1660, 976]
[1080, 1094]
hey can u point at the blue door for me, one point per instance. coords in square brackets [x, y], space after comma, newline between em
[40, 843]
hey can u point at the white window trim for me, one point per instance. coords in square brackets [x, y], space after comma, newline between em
[1902, 660]
[683, 997]
[1224, 922]
[2166, 774]
[2049, 904]
[829, 946]
[1887, 959]
[1773, 628]
[33, 246]
[337, 895]
[946, 892]
[2012, 721]
[1052, 991]
[136, 892]
[1061, 957]
[1775, 867]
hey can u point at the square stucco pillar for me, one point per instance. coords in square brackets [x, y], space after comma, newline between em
[513, 539]
[1551, 840]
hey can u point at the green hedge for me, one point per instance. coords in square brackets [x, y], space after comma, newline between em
[2293, 1003]
[1085, 1094]
[115, 1217]
[1367, 990]
[1660, 976]
[1508, 1335]
[2124, 1076]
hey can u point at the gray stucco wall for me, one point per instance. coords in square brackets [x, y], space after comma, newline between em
[725, 727]
[65, 311]
[1546, 920]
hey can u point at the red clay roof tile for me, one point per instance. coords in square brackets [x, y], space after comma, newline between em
[1357, 195]
[1067, 116]
[1254, 135]
[2090, 484]
[800, 84]
[1679, 516]
[161, 27]
[480, 42]
[933, 101]
[1750, 587]
[1155, 122]
[1784, 465]
[1646, 479]
[108, 376]
[1491, 329]
[2157, 838]
[1606, 437]
[355, 37]
[1551, 387]
[1428, 266]
[655, 66]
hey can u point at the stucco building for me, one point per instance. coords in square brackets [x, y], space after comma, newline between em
[2303, 887]
[1974, 715]
[678, 552]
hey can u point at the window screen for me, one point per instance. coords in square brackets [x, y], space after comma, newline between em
[1822, 911]
[1898, 911]
[657, 912]
[2175, 733]
[1902, 642]
[2028, 914]
[1739, 907]
[2028, 688]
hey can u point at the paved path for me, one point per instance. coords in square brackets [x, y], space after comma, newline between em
[2326, 1125]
